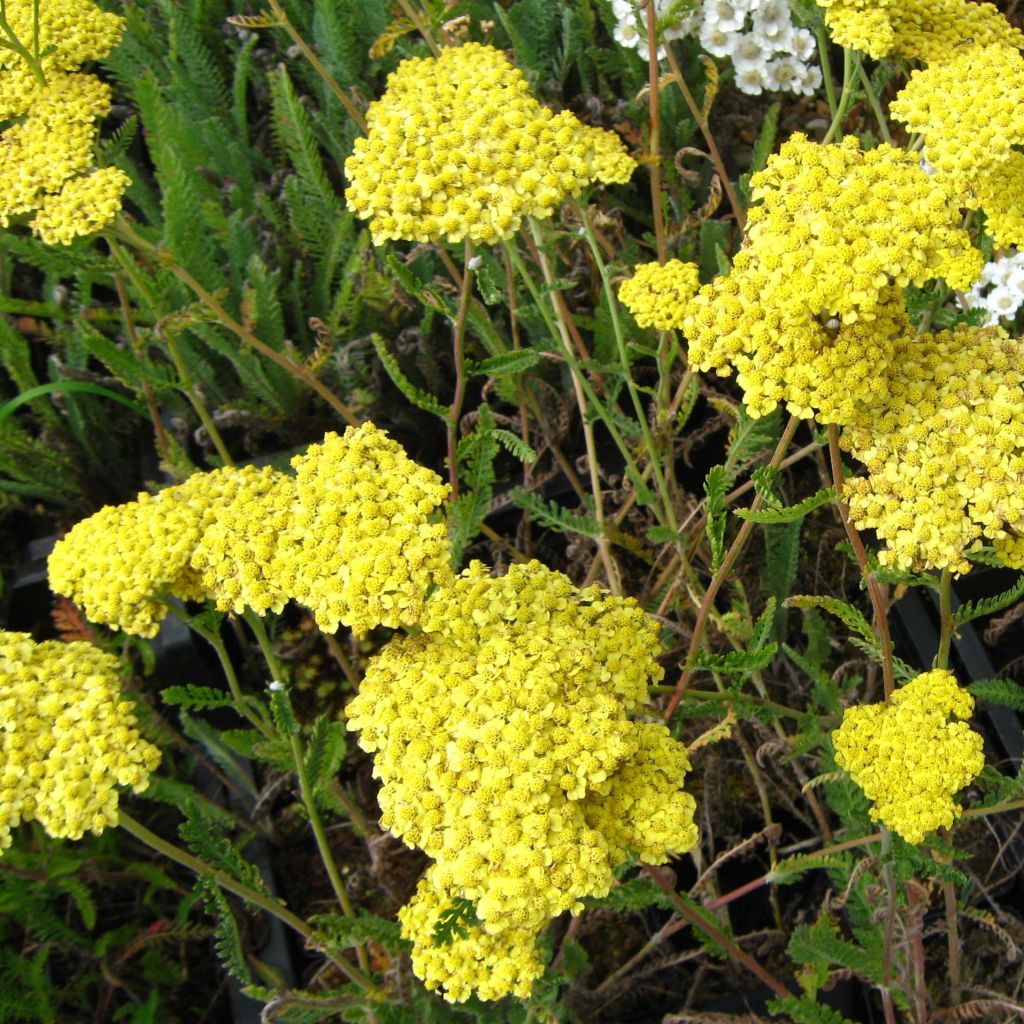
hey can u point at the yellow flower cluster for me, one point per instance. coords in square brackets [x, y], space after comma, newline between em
[971, 134]
[945, 452]
[350, 537]
[46, 152]
[366, 552]
[812, 297]
[458, 148]
[908, 757]
[926, 30]
[506, 753]
[658, 295]
[67, 739]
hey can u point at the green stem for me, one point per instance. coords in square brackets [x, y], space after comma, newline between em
[844, 99]
[761, 702]
[12, 42]
[305, 789]
[945, 619]
[876, 106]
[826, 68]
[240, 889]
[620, 344]
[455, 412]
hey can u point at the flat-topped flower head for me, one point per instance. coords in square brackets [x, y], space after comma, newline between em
[658, 296]
[67, 738]
[458, 148]
[907, 755]
[368, 543]
[502, 737]
[945, 452]
[71, 32]
[926, 30]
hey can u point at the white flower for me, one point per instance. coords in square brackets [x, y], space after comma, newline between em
[750, 51]
[716, 41]
[725, 16]
[773, 20]
[623, 10]
[1014, 280]
[751, 81]
[784, 73]
[626, 34]
[810, 82]
[1003, 303]
[802, 44]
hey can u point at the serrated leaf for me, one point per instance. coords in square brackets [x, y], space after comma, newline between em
[842, 610]
[421, 399]
[325, 751]
[806, 1010]
[552, 516]
[283, 713]
[765, 145]
[196, 698]
[342, 932]
[506, 363]
[976, 609]
[515, 445]
[763, 628]
[228, 939]
[636, 894]
[735, 662]
[454, 922]
[791, 514]
[1004, 692]
[792, 869]
[715, 485]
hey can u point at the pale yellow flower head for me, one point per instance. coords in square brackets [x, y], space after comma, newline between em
[368, 543]
[658, 296]
[908, 757]
[927, 30]
[83, 206]
[458, 148]
[503, 740]
[67, 739]
[945, 452]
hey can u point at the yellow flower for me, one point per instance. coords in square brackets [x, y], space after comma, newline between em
[658, 296]
[908, 757]
[83, 205]
[71, 32]
[945, 451]
[67, 739]
[457, 147]
[503, 741]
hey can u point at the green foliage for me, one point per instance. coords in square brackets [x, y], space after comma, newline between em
[421, 399]
[206, 838]
[1005, 692]
[196, 698]
[339, 932]
[806, 1010]
[324, 754]
[228, 939]
[551, 515]
[989, 605]
[636, 894]
[842, 610]
[788, 515]
[715, 486]
[454, 922]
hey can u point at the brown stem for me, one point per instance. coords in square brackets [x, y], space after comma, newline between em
[705, 129]
[691, 917]
[878, 602]
[654, 166]
[722, 575]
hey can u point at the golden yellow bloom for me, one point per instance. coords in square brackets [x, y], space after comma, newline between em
[457, 147]
[71, 32]
[998, 192]
[808, 311]
[83, 205]
[67, 739]
[366, 551]
[503, 741]
[908, 757]
[479, 963]
[927, 30]
[658, 296]
[945, 453]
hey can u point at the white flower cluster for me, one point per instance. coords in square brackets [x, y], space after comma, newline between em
[1000, 289]
[767, 51]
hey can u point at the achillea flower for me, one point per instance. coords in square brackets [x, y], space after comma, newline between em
[71, 32]
[658, 296]
[502, 738]
[945, 453]
[808, 311]
[908, 757]
[458, 148]
[67, 739]
[367, 551]
[477, 962]
[45, 156]
[927, 30]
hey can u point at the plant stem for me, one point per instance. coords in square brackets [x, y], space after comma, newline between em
[705, 129]
[410, 13]
[873, 100]
[305, 790]
[945, 619]
[874, 589]
[723, 574]
[826, 68]
[343, 98]
[714, 695]
[165, 258]
[240, 889]
[890, 924]
[654, 156]
[698, 922]
[844, 99]
[455, 412]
